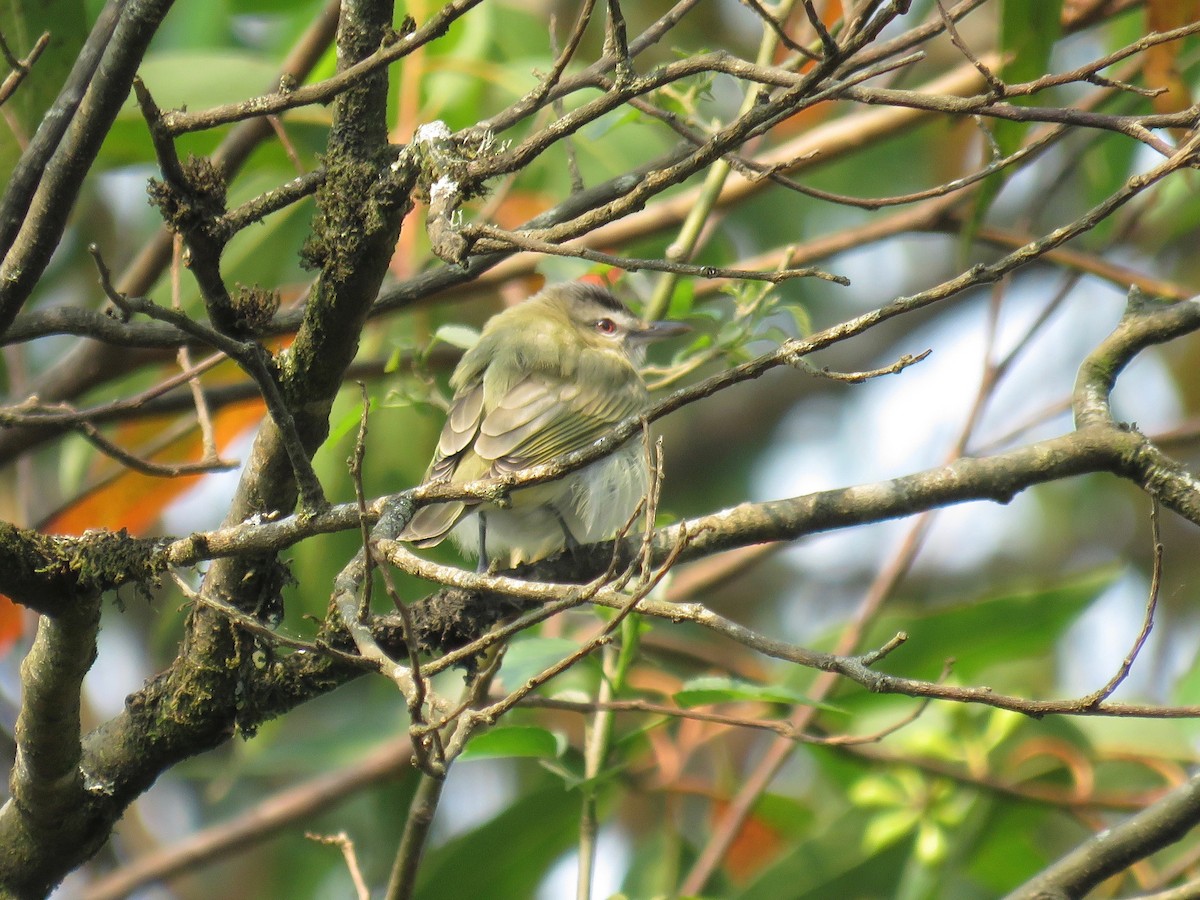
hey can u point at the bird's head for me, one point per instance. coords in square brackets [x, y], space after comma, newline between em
[594, 319]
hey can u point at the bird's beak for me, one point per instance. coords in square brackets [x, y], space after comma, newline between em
[657, 331]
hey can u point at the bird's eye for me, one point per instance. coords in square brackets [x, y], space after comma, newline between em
[606, 326]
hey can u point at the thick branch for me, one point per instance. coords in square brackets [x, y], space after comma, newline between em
[1116, 848]
[46, 820]
[54, 198]
[28, 171]
[195, 705]
[391, 46]
[89, 363]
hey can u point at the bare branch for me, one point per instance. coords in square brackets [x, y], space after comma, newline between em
[254, 361]
[397, 47]
[1147, 622]
[520, 241]
[1115, 848]
[248, 830]
[342, 841]
[27, 251]
[20, 67]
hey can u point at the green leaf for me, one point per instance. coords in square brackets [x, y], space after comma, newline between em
[394, 358]
[349, 422]
[509, 741]
[1028, 31]
[886, 828]
[202, 78]
[562, 268]
[655, 868]
[882, 790]
[683, 299]
[461, 336]
[1007, 849]
[721, 689]
[984, 633]
[932, 843]
[530, 656]
[1105, 168]
[507, 857]
[22, 22]
[832, 863]
[800, 316]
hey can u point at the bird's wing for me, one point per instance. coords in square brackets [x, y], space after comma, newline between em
[542, 417]
[462, 425]
[430, 524]
[537, 419]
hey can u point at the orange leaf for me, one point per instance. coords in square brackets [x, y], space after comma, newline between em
[756, 844]
[603, 279]
[12, 624]
[135, 501]
[520, 206]
[799, 26]
[1161, 69]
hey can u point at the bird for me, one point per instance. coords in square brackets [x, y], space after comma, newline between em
[547, 376]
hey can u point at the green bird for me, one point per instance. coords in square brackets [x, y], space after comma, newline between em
[548, 376]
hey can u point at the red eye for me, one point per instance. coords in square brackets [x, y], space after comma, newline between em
[606, 326]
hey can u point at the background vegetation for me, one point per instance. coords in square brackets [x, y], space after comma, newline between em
[916, 615]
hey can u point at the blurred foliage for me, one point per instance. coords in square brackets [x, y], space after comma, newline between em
[964, 802]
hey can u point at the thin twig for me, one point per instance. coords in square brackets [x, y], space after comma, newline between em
[523, 241]
[263, 632]
[1147, 621]
[414, 685]
[254, 361]
[360, 497]
[289, 148]
[1112, 849]
[596, 745]
[179, 122]
[1031, 149]
[205, 245]
[247, 830]
[899, 365]
[19, 67]
[684, 245]
[535, 98]
[998, 87]
[423, 807]
[576, 174]
[782, 728]
[357, 619]
[780, 32]
[93, 436]
[255, 210]
[616, 42]
[183, 355]
[416, 705]
[832, 50]
[9, 57]
[342, 841]
[421, 811]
